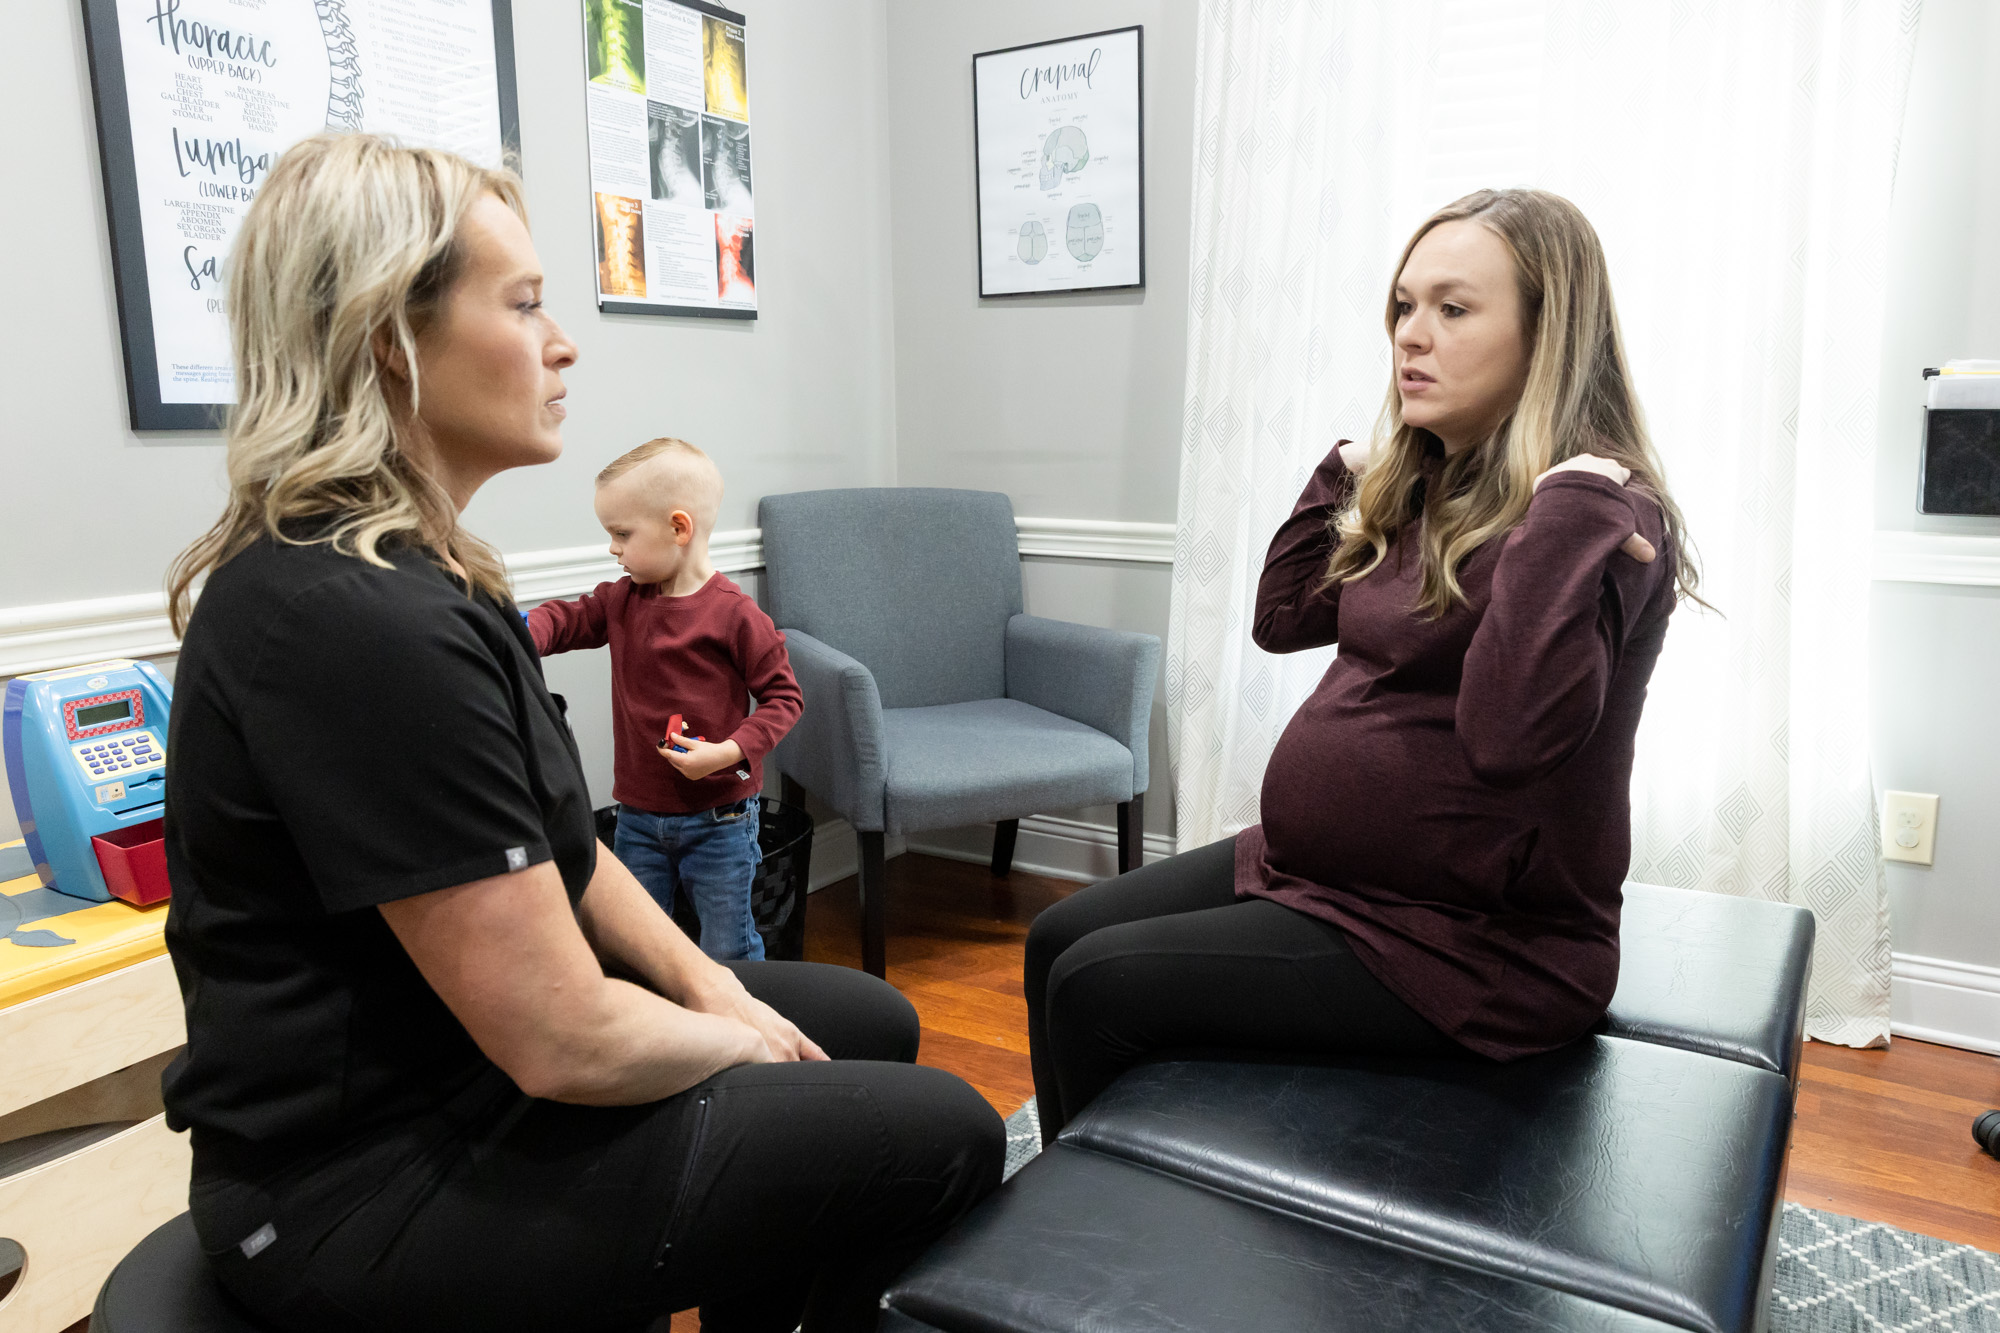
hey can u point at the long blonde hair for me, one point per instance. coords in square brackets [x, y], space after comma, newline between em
[348, 250]
[1578, 399]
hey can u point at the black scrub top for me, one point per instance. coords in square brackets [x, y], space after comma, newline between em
[343, 736]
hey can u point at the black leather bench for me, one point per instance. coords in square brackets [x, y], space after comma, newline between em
[1080, 1241]
[166, 1286]
[1710, 973]
[1632, 1181]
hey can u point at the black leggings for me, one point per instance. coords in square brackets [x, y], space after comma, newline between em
[1167, 960]
[767, 1194]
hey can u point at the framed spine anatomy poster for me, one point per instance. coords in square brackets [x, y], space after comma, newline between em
[671, 190]
[1061, 166]
[196, 99]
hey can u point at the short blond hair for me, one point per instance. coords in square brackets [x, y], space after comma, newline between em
[682, 477]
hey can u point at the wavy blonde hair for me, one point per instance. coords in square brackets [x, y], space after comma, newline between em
[348, 252]
[1578, 399]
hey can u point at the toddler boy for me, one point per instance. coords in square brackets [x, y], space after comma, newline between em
[686, 642]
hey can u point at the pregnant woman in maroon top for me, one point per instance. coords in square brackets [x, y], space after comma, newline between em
[1446, 821]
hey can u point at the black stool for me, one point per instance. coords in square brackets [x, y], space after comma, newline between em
[165, 1286]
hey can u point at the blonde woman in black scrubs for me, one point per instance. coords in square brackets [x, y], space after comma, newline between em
[448, 1066]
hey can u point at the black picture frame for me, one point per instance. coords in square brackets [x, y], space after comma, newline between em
[106, 57]
[661, 310]
[615, 307]
[978, 201]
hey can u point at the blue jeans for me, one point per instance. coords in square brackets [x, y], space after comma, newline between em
[713, 856]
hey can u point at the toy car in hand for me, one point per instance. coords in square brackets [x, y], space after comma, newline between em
[676, 728]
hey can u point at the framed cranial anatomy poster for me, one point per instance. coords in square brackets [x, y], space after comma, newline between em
[673, 211]
[197, 99]
[1058, 135]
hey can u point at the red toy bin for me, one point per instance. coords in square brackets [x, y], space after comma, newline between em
[134, 862]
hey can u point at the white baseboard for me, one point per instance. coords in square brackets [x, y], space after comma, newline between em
[1047, 845]
[837, 853]
[1953, 1004]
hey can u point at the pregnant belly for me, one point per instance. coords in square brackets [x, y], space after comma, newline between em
[1376, 799]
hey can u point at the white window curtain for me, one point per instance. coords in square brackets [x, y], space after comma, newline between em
[1737, 159]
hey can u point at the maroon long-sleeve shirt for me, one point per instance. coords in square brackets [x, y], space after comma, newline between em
[704, 656]
[1455, 794]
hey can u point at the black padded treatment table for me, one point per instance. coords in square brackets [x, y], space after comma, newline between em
[1631, 1181]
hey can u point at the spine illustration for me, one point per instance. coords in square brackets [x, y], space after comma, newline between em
[343, 58]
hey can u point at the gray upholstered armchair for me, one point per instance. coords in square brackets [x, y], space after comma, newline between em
[931, 701]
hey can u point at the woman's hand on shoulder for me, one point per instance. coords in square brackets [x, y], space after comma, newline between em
[723, 995]
[1635, 546]
[1597, 463]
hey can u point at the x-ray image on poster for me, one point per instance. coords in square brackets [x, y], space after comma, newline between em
[616, 43]
[621, 246]
[735, 258]
[675, 137]
[725, 152]
[197, 100]
[725, 68]
[1061, 167]
[668, 109]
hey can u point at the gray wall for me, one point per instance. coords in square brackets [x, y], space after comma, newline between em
[1069, 404]
[798, 398]
[65, 448]
[802, 397]
[1933, 648]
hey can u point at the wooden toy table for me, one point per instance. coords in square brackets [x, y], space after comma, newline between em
[89, 1014]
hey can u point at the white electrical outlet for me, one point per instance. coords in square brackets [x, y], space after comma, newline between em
[1909, 826]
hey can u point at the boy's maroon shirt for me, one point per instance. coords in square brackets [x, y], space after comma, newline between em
[1456, 793]
[704, 656]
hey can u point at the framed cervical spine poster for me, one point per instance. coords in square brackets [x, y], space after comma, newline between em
[667, 100]
[1061, 172]
[196, 99]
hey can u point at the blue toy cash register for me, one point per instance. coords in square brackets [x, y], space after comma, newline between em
[87, 764]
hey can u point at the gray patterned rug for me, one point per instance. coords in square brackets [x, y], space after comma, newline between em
[1835, 1274]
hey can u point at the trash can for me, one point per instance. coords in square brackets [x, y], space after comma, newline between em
[777, 894]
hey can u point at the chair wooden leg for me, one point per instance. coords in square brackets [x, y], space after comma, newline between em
[1004, 833]
[874, 886]
[1132, 833]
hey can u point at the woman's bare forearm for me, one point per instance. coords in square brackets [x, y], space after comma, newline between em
[639, 1048]
[627, 930]
[629, 933]
[506, 956]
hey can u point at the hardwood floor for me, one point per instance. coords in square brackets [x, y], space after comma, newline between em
[955, 938]
[1887, 1136]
